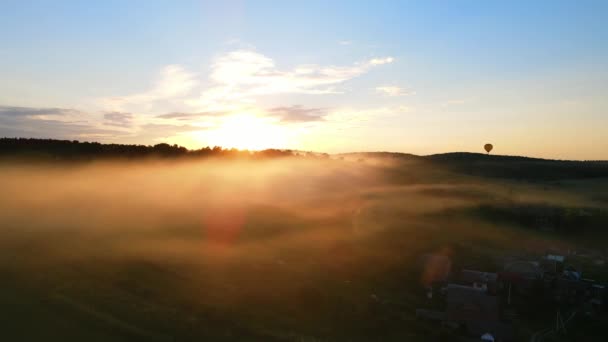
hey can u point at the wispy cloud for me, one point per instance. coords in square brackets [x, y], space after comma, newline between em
[118, 119]
[36, 113]
[297, 114]
[236, 79]
[174, 84]
[245, 74]
[285, 114]
[345, 42]
[64, 123]
[155, 130]
[344, 128]
[380, 61]
[181, 102]
[190, 116]
[50, 123]
[392, 91]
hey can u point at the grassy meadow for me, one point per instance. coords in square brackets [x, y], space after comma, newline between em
[287, 249]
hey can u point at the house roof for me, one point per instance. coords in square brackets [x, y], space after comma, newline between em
[470, 276]
[466, 303]
[555, 257]
[567, 284]
[525, 269]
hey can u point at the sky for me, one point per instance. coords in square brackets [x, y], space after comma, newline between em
[420, 77]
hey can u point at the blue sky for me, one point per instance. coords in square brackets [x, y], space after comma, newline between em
[420, 77]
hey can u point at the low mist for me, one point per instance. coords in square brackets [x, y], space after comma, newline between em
[283, 249]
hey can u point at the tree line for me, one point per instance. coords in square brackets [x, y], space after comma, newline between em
[53, 149]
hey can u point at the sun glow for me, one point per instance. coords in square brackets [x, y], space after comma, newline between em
[247, 132]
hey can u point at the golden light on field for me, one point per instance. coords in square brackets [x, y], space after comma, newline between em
[247, 132]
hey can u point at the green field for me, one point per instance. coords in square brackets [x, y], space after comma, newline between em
[293, 249]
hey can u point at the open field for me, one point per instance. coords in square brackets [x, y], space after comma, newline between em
[304, 171]
[287, 249]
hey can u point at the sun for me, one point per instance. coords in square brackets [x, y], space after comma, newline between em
[247, 132]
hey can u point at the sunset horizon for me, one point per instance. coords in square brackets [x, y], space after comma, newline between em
[304, 171]
[403, 77]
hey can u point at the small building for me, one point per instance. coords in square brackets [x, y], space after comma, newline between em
[556, 258]
[468, 304]
[552, 263]
[599, 295]
[480, 280]
[473, 310]
[572, 291]
[523, 276]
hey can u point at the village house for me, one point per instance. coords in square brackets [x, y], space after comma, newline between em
[473, 310]
[552, 263]
[480, 280]
[571, 291]
[522, 277]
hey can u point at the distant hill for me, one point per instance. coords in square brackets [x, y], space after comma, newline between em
[364, 155]
[497, 166]
[477, 164]
[472, 157]
[519, 167]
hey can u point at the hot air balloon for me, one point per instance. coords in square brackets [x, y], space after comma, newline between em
[488, 147]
